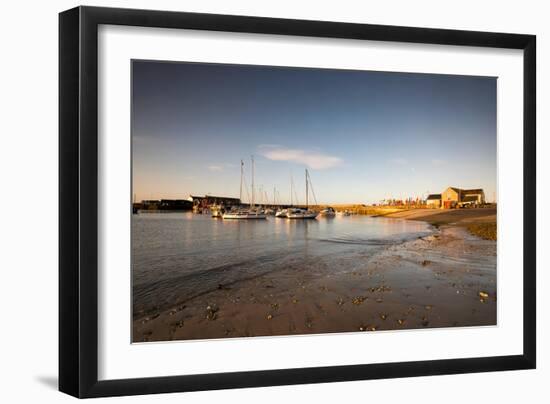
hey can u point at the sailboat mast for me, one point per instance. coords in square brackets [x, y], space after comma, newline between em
[307, 201]
[291, 186]
[252, 202]
[241, 188]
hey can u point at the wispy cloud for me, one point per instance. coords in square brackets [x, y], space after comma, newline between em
[312, 159]
[215, 168]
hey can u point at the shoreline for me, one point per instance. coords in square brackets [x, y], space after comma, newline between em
[481, 222]
[446, 279]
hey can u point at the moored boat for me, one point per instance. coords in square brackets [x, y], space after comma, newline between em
[328, 212]
[298, 213]
[244, 214]
[281, 213]
[252, 212]
[216, 210]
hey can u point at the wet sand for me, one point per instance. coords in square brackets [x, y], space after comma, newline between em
[459, 217]
[447, 279]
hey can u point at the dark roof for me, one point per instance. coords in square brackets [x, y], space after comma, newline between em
[472, 191]
[214, 197]
[457, 190]
[434, 196]
[469, 198]
[221, 197]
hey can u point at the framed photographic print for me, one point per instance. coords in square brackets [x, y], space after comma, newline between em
[251, 201]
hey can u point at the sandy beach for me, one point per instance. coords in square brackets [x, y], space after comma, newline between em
[446, 279]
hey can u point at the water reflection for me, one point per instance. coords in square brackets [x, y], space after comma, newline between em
[179, 255]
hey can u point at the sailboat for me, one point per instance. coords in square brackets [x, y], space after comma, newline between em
[283, 212]
[252, 212]
[298, 213]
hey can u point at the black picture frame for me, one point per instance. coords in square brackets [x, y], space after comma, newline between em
[78, 196]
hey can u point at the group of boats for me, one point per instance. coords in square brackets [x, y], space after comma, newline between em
[288, 213]
[254, 212]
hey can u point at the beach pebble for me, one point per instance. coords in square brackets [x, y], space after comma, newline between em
[211, 310]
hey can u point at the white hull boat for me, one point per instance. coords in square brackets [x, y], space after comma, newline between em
[328, 212]
[244, 215]
[216, 210]
[298, 213]
[281, 213]
[301, 214]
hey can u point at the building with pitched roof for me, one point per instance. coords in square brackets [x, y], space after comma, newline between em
[454, 197]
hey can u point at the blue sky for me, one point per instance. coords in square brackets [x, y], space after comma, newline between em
[364, 136]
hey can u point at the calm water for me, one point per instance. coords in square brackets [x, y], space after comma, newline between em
[177, 256]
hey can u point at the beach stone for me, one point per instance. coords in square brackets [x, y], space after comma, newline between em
[211, 310]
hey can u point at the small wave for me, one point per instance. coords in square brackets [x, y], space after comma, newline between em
[373, 241]
[357, 241]
[165, 292]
